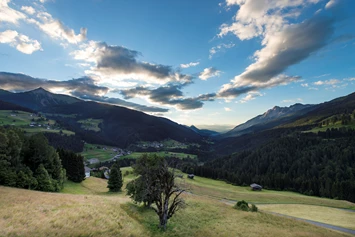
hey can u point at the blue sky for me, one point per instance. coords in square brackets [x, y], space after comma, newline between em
[195, 62]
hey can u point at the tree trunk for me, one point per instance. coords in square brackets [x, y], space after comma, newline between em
[163, 217]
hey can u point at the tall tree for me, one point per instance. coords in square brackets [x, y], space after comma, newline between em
[115, 181]
[159, 187]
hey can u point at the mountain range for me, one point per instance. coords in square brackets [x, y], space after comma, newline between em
[272, 118]
[122, 126]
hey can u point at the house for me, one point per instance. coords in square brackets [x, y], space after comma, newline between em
[191, 176]
[256, 187]
[107, 174]
[103, 168]
[93, 161]
[87, 172]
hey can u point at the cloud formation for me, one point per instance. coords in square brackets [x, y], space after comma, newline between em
[7, 14]
[19, 41]
[21, 82]
[208, 73]
[28, 9]
[192, 64]
[283, 44]
[331, 4]
[327, 82]
[55, 29]
[120, 63]
[168, 95]
[83, 88]
[219, 48]
[251, 95]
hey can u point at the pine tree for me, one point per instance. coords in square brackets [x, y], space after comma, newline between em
[43, 179]
[115, 181]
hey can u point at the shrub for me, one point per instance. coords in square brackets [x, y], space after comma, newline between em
[253, 208]
[244, 206]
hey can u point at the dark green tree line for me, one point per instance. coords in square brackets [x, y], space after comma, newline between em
[29, 162]
[73, 164]
[321, 165]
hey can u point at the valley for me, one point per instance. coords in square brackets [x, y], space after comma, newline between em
[262, 150]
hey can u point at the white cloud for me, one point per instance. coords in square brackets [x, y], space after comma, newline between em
[192, 64]
[28, 9]
[323, 75]
[250, 96]
[8, 14]
[208, 73]
[304, 85]
[327, 82]
[227, 109]
[21, 42]
[56, 29]
[331, 3]
[115, 64]
[284, 42]
[219, 48]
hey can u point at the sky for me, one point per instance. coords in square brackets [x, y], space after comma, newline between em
[208, 63]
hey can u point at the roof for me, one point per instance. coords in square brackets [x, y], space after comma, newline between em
[87, 169]
[255, 186]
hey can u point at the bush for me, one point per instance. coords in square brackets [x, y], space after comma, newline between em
[244, 206]
[253, 208]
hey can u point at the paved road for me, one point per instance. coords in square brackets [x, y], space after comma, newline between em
[332, 227]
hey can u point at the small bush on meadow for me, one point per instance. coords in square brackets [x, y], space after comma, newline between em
[253, 208]
[244, 206]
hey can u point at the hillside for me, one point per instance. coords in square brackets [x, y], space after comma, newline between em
[122, 126]
[87, 209]
[10, 106]
[204, 132]
[337, 107]
[320, 164]
[272, 118]
[116, 125]
[37, 99]
[280, 122]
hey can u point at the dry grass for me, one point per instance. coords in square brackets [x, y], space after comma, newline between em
[87, 209]
[326, 215]
[30, 213]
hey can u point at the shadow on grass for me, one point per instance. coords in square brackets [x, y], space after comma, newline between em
[147, 218]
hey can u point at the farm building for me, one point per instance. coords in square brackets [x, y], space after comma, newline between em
[256, 187]
[87, 172]
[191, 176]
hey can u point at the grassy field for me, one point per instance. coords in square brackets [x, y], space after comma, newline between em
[23, 120]
[136, 155]
[88, 209]
[92, 151]
[328, 215]
[221, 190]
[324, 128]
[91, 124]
[30, 213]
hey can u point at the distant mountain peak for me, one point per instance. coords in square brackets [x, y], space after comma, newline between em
[39, 90]
[271, 118]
